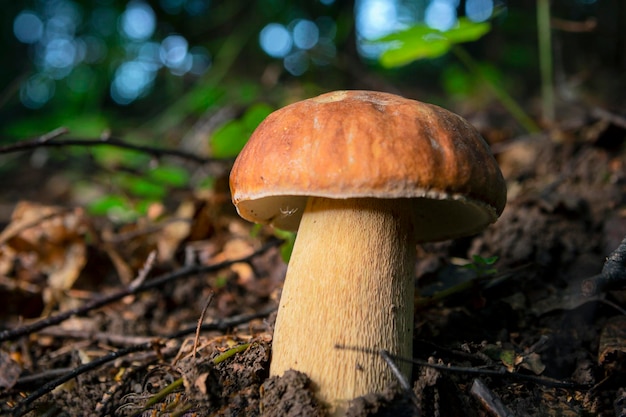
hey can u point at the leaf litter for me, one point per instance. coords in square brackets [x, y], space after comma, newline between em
[549, 349]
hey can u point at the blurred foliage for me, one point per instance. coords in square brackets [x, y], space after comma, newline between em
[482, 267]
[169, 104]
[423, 42]
[229, 139]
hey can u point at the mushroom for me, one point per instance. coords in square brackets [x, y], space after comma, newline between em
[363, 177]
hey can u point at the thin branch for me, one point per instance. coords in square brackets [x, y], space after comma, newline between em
[222, 324]
[401, 379]
[50, 140]
[37, 378]
[497, 373]
[200, 321]
[144, 271]
[102, 337]
[153, 283]
[613, 275]
[489, 400]
[603, 114]
[24, 406]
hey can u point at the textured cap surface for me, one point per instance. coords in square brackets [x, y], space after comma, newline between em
[352, 144]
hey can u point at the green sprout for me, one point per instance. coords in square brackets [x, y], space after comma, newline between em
[482, 267]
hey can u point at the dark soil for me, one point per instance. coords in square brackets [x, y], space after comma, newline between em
[521, 340]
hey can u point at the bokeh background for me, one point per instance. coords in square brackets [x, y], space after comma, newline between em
[198, 75]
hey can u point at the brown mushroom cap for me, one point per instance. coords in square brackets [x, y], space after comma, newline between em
[365, 144]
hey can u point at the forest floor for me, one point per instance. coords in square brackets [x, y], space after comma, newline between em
[101, 320]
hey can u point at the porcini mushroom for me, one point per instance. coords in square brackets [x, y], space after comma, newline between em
[363, 176]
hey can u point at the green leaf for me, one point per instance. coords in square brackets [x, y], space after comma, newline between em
[112, 157]
[104, 205]
[421, 41]
[255, 115]
[170, 175]
[287, 247]
[230, 139]
[467, 31]
[457, 81]
[508, 357]
[413, 50]
[84, 125]
[142, 187]
[479, 260]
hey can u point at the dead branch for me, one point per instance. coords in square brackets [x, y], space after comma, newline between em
[402, 380]
[152, 343]
[200, 321]
[223, 324]
[489, 400]
[50, 140]
[24, 406]
[500, 372]
[613, 275]
[130, 290]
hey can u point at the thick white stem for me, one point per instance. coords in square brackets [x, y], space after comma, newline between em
[350, 281]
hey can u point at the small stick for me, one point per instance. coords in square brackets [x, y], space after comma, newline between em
[403, 381]
[143, 272]
[50, 139]
[150, 284]
[489, 401]
[500, 372]
[200, 321]
[25, 406]
[613, 273]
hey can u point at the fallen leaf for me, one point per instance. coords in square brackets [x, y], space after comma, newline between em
[45, 241]
[176, 231]
[10, 370]
[612, 346]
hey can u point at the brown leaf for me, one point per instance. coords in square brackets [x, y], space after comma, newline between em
[46, 240]
[9, 370]
[176, 231]
[612, 347]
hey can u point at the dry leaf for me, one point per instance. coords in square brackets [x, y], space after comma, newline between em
[175, 231]
[45, 240]
[612, 347]
[532, 362]
[10, 370]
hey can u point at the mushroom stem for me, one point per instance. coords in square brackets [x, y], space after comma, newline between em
[350, 281]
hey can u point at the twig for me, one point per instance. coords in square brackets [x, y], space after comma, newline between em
[49, 140]
[102, 337]
[498, 373]
[613, 273]
[144, 271]
[394, 369]
[603, 114]
[200, 321]
[24, 406]
[41, 376]
[128, 340]
[488, 399]
[153, 283]
[401, 379]
[223, 324]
